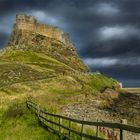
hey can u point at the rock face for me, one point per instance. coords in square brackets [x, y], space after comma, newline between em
[127, 105]
[30, 35]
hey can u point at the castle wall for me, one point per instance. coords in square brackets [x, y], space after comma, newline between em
[24, 26]
[29, 23]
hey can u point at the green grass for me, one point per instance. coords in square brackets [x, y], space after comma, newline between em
[28, 56]
[18, 123]
[100, 81]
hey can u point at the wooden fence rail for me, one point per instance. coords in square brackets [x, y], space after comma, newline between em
[44, 116]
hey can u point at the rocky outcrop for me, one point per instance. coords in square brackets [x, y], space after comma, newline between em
[127, 105]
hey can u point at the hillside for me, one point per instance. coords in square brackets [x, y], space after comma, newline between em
[50, 82]
[48, 70]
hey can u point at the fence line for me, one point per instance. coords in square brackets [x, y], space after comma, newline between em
[44, 116]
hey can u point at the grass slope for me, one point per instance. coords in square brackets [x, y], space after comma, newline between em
[51, 83]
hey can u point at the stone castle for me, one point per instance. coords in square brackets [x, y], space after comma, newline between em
[24, 22]
[29, 35]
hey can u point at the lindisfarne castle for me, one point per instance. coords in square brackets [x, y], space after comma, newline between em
[30, 35]
[25, 22]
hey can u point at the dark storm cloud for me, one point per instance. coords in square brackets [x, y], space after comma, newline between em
[114, 48]
[105, 32]
[121, 72]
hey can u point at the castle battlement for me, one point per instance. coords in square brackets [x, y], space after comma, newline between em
[25, 22]
[25, 19]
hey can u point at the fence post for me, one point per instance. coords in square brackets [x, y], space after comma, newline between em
[52, 121]
[97, 133]
[123, 134]
[61, 123]
[82, 131]
[59, 126]
[38, 111]
[69, 127]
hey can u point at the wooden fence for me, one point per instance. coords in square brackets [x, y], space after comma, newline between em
[46, 118]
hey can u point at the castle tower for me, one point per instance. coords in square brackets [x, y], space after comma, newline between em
[25, 22]
[20, 18]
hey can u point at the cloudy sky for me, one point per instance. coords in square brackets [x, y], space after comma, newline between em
[106, 32]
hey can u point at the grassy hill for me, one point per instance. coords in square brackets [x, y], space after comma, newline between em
[52, 83]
